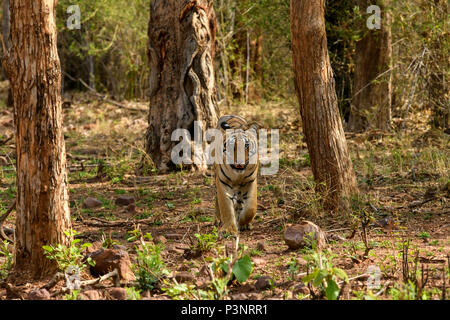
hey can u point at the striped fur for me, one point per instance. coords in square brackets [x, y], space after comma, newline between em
[236, 184]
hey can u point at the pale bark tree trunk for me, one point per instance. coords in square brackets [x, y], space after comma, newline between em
[372, 99]
[42, 199]
[322, 126]
[182, 83]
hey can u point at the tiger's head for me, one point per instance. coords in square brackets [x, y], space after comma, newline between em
[239, 142]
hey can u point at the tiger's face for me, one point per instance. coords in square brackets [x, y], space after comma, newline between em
[239, 143]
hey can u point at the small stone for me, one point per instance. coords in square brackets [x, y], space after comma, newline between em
[39, 294]
[125, 200]
[106, 260]
[90, 295]
[184, 277]
[118, 293]
[298, 236]
[263, 283]
[90, 203]
[261, 245]
[300, 288]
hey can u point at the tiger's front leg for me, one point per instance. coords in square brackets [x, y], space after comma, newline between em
[225, 207]
[249, 210]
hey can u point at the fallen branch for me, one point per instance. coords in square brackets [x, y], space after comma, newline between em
[113, 274]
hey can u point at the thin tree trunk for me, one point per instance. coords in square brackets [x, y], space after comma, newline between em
[322, 126]
[42, 199]
[372, 100]
[182, 83]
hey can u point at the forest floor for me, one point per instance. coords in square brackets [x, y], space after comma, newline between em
[403, 177]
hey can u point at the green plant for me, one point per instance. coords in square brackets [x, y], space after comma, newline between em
[206, 242]
[293, 268]
[323, 275]
[149, 268]
[133, 293]
[108, 242]
[72, 295]
[424, 235]
[6, 266]
[66, 256]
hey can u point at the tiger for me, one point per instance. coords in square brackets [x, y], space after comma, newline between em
[236, 181]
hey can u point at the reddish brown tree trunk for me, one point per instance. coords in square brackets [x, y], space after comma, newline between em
[182, 84]
[372, 99]
[42, 200]
[322, 126]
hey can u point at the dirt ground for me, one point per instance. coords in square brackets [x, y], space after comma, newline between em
[403, 177]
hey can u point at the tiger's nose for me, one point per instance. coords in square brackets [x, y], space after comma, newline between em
[239, 166]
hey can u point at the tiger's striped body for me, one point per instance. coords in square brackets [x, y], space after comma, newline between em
[236, 183]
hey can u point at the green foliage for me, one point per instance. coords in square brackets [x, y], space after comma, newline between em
[149, 268]
[207, 241]
[243, 268]
[5, 267]
[66, 256]
[133, 293]
[72, 295]
[324, 275]
[115, 38]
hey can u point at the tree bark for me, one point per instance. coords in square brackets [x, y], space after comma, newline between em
[42, 199]
[322, 126]
[182, 84]
[372, 100]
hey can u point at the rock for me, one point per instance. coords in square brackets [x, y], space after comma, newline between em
[118, 293]
[107, 260]
[90, 203]
[298, 236]
[261, 245]
[90, 295]
[184, 277]
[263, 283]
[300, 288]
[124, 200]
[39, 294]
[95, 246]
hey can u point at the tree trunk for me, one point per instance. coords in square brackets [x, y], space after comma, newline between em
[372, 99]
[42, 199]
[182, 84]
[322, 126]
